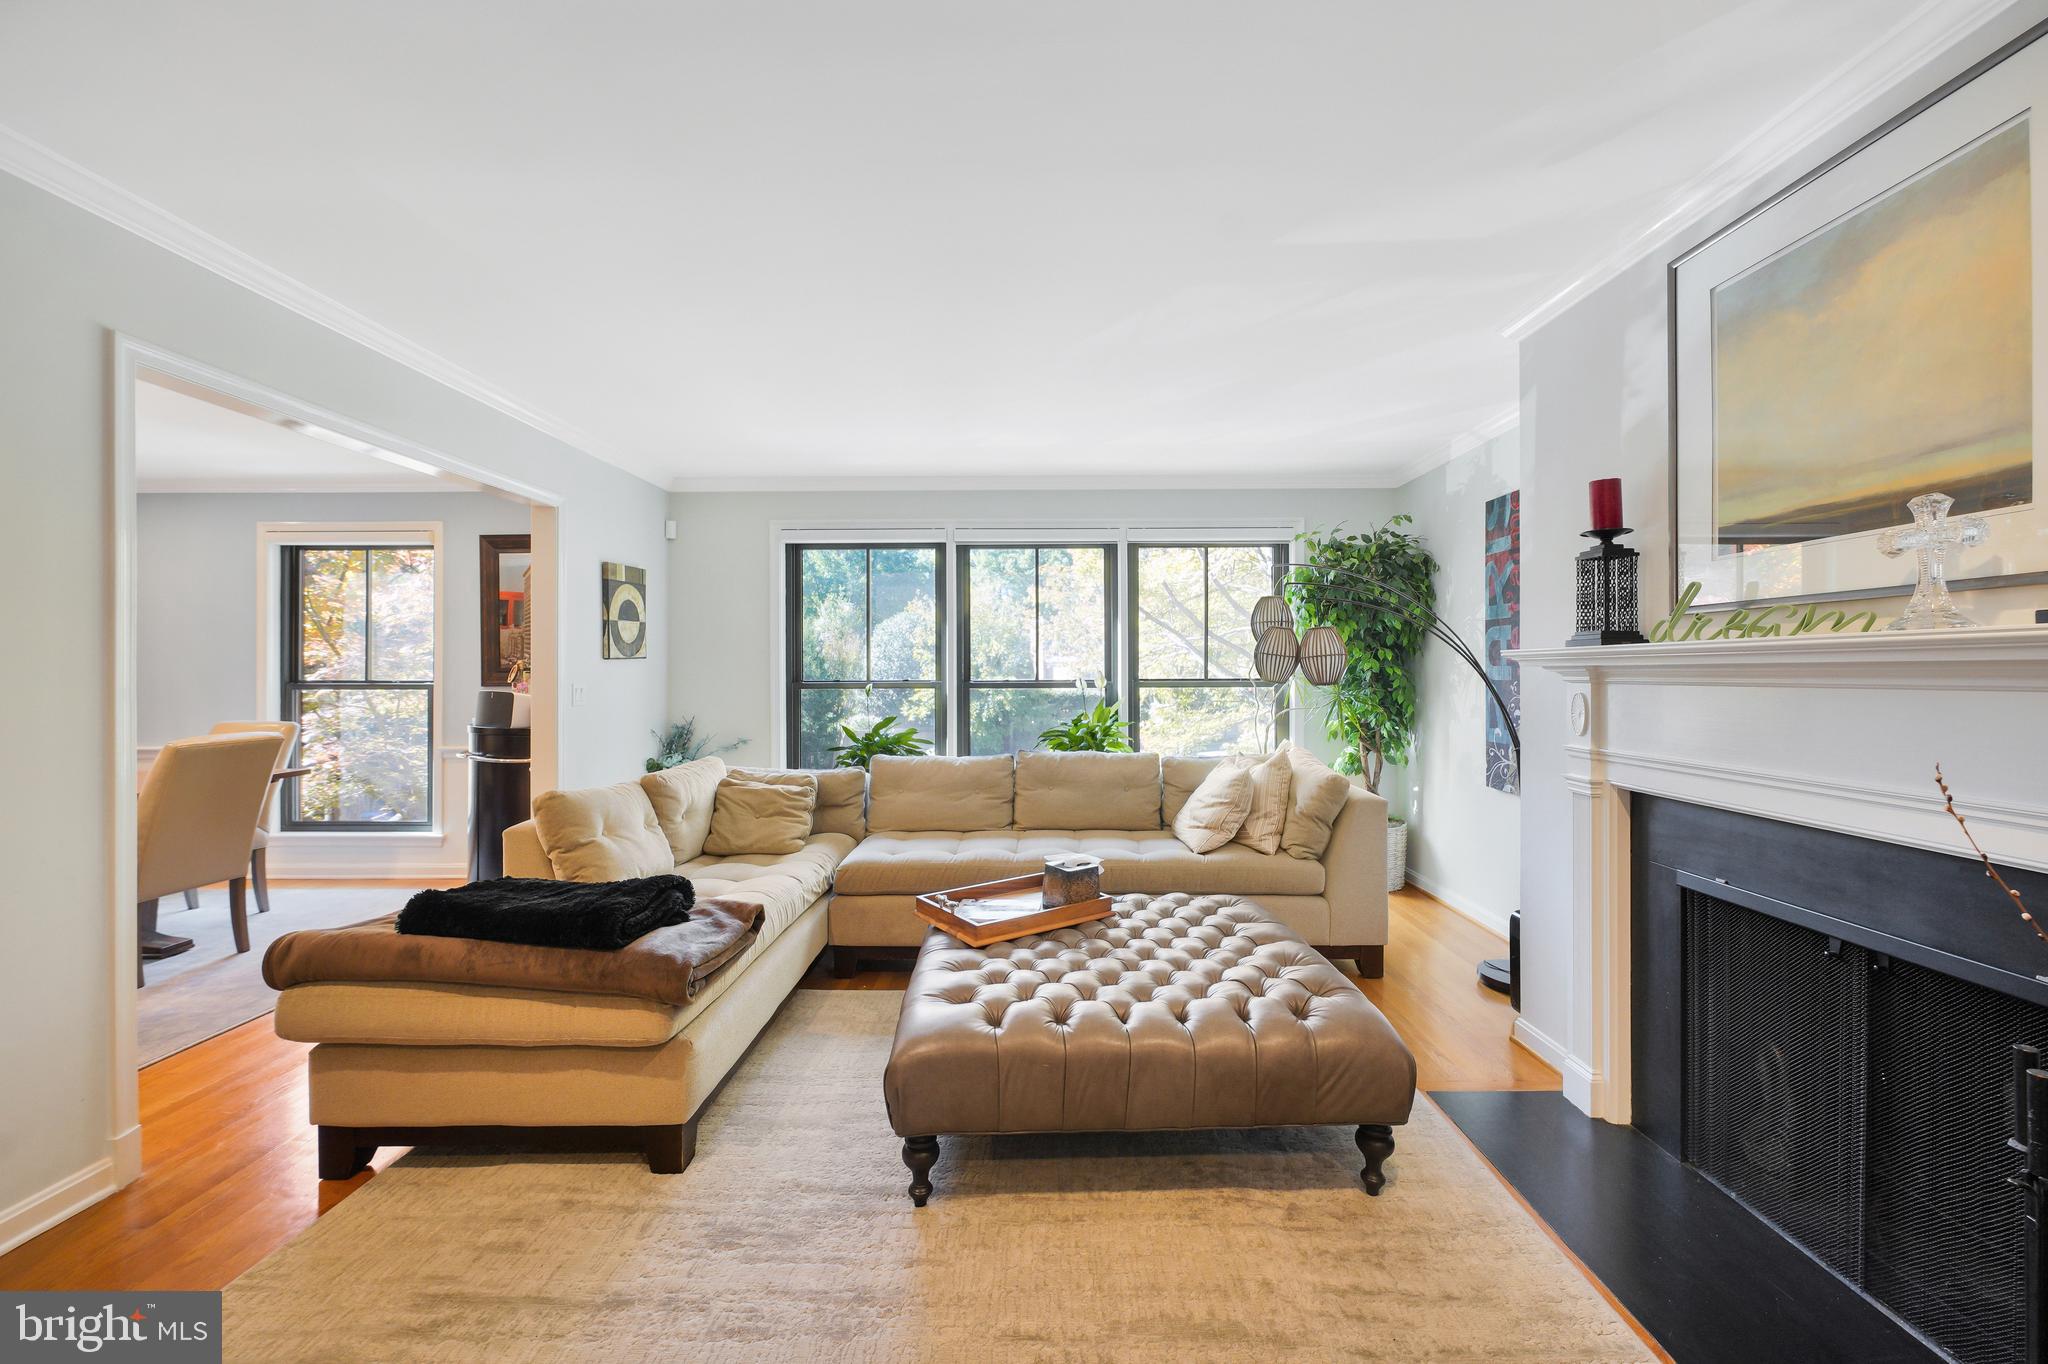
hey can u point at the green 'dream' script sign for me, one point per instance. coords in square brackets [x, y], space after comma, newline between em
[1760, 622]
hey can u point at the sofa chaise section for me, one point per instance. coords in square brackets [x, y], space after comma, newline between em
[414, 1064]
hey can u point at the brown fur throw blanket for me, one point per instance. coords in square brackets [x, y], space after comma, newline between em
[603, 916]
[668, 965]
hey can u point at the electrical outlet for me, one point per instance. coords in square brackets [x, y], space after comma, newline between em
[578, 694]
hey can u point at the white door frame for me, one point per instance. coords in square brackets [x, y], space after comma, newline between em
[129, 359]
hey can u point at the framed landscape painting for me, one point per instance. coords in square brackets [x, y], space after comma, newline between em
[1872, 334]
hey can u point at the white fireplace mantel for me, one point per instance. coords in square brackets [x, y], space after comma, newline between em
[1838, 732]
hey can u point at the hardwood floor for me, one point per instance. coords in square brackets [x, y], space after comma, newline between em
[228, 1162]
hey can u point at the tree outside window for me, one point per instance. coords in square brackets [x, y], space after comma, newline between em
[359, 679]
[864, 624]
[1191, 610]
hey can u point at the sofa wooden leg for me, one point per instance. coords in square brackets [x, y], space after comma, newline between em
[1375, 1143]
[845, 965]
[1372, 961]
[340, 1157]
[670, 1149]
[920, 1154]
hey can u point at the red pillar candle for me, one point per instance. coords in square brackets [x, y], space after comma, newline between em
[1605, 495]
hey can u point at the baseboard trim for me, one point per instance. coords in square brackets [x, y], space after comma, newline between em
[37, 1213]
[1536, 1040]
[128, 1157]
[1580, 1082]
[1496, 924]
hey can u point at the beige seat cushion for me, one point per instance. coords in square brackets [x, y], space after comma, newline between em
[1217, 809]
[1267, 819]
[602, 833]
[1088, 791]
[1178, 778]
[760, 817]
[842, 796]
[1150, 860]
[959, 794]
[682, 797]
[1314, 801]
[410, 1013]
[783, 886]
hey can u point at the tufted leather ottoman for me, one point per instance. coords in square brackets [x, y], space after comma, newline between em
[1177, 1012]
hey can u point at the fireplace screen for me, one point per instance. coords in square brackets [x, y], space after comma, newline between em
[1861, 1105]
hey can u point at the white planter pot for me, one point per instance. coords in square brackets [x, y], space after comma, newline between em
[1397, 854]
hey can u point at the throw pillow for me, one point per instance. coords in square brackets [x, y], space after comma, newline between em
[604, 833]
[1317, 798]
[842, 795]
[681, 796]
[1267, 818]
[759, 817]
[1216, 810]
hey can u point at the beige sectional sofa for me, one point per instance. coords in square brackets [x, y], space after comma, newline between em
[407, 1063]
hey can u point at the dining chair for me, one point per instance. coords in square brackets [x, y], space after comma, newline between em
[192, 826]
[259, 845]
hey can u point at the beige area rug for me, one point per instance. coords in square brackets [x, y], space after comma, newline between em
[790, 1238]
[194, 995]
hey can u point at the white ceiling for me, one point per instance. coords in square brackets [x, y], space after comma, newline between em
[1174, 242]
[185, 443]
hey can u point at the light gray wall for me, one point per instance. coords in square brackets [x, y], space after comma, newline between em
[197, 610]
[196, 624]
[1595, 403]
[1464, 837]
[69, 278]
[722, 618]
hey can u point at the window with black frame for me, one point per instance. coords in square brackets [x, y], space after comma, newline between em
[358, 672]
[864, 630]
[1191, 645]
[1038, 639]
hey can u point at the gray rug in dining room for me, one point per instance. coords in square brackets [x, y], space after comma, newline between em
[204, 992]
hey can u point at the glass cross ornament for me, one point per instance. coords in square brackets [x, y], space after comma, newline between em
[1933, 537]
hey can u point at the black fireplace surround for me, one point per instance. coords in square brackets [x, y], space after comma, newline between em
[1823, 1025]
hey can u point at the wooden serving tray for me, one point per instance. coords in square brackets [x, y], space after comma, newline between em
[1025, 915]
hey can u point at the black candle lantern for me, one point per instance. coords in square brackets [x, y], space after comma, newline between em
[1607, 592]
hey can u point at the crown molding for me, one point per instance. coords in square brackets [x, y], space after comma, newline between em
[29, 160]
[1464, 443]
[210, 487]
[895, 483]
[1896, 55]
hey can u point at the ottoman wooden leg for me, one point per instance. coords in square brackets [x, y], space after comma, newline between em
[1375, 1143]
[920, 1154]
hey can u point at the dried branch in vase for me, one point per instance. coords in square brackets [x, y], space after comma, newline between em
[1948, 801]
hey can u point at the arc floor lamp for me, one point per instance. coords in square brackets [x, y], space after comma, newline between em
[1321, 657]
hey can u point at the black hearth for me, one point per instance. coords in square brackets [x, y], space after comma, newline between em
[1824, 1027]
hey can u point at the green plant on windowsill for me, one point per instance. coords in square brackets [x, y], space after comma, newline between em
[684, 744]
[881, 739]
[1100, 730]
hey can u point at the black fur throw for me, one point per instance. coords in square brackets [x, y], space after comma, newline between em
[603, 916]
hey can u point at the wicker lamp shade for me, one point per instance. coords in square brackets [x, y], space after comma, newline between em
[1270, 612]
[1277, 653]
[1323, 656]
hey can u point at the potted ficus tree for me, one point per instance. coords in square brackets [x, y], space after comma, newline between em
[1371, 710]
